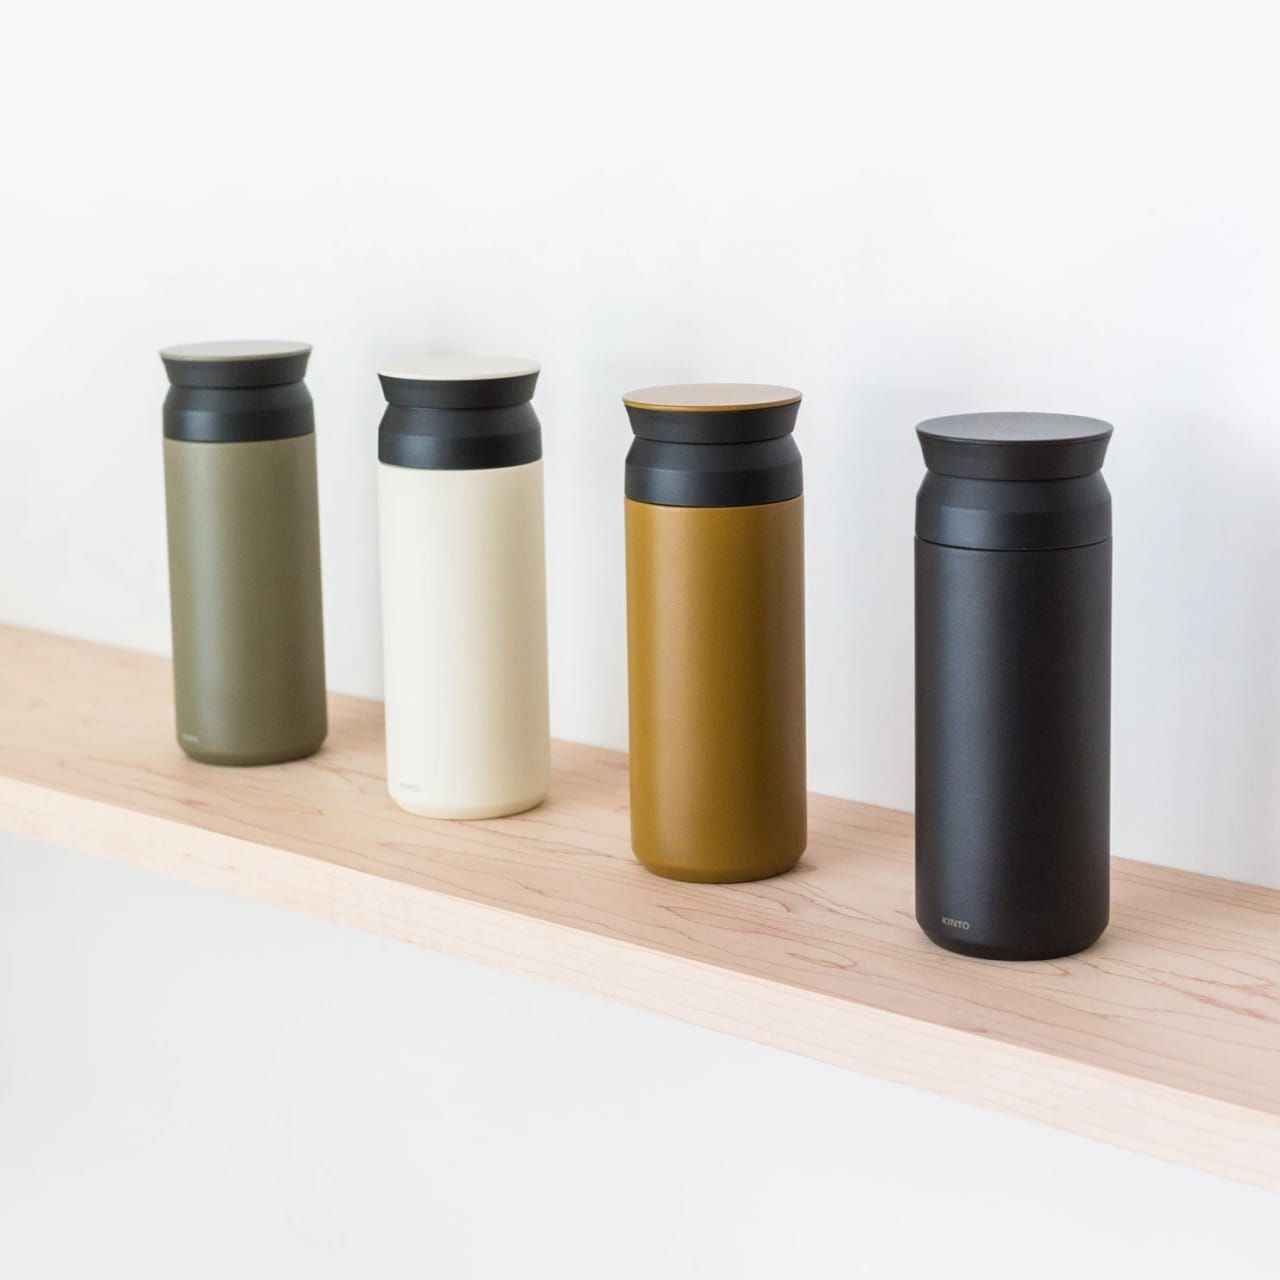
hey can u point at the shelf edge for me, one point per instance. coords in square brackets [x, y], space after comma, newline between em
[1108, 1106]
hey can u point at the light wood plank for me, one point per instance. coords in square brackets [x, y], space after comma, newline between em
[1164, 1038]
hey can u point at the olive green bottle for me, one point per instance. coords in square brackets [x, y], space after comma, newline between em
[715, 632]
[244, 552]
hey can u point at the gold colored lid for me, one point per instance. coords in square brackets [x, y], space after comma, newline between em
[711, 397]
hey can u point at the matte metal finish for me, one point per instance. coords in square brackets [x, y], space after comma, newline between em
[680, 415]
[1013, 688]
[754, 460]
[713, 426]
[464, 613]
[1014, 446]
[715, 633]
[452, 393]
[464, 639]
[959, 511]
[450, 424]
[1013, 761]
[235, 415]
[236, 365]
[726, 475]
[244, 579]
[232, 392]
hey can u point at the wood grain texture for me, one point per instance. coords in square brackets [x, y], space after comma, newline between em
[1164, 1038]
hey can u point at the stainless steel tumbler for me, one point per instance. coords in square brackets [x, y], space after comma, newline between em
[715, 631]
[1013, 684]
[464, 615]
[244, 552]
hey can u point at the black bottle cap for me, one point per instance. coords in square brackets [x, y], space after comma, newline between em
[1014, 446]
[1049, 495]
[713, 444]
[460, 413]
[237, 392]
[236, 364]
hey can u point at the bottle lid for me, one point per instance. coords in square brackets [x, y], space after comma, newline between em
[1014, 446]
[754, 460]
[713, 412]
[459, 413]
[236, 364]
[460, 382]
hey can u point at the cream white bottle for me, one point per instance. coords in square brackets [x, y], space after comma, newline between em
[464, 626]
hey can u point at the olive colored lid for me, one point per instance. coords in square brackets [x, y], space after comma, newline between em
[1014, 446]
[713, 412]
[236, 364]
[460, 413]
[460, 382]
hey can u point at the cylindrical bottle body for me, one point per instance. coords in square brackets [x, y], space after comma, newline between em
[1013, 725]
[463, 600]
[715, 633]
[244, 578]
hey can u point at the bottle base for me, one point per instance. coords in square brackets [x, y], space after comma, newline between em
[248, 759]
[472, 813]
[716, 875]
[1016, 954]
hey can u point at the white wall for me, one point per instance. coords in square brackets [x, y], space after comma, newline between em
[196, 1086]
[904, 209]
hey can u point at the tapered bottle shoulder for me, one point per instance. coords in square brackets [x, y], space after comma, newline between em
[1004, 515]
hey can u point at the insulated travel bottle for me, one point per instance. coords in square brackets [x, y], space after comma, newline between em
[1013, 684]
[244, 552]
[464, 626]
[715, 631]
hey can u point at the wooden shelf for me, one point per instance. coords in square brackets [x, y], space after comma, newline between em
[1164, 1038]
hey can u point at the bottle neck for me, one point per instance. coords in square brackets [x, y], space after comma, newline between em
[1013, 515]
[237, 415]
[435, 439]
[670, 474]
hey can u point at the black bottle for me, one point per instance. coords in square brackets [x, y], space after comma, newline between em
[1013, 684]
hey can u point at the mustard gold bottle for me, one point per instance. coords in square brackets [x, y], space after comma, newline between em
[715, 631]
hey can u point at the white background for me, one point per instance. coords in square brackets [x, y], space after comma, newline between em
[904, 209]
